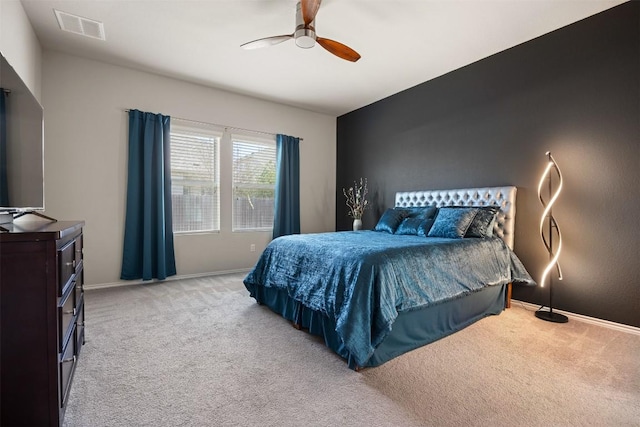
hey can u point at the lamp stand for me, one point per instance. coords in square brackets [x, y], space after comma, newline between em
[547, 217]
[551, 316]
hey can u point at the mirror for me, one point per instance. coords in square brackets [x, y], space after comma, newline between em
[21, 145]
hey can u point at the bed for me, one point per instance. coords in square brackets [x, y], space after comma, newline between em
[373, 295]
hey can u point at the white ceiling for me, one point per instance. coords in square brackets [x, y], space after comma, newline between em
[402, 42]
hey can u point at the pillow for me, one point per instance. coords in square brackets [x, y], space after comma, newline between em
[482, 224]
[452, 222]
[390, 220]
[409, 226]
[425, 226]
[424, 212]
[419, 218]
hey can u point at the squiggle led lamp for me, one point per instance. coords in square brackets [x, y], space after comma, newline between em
[548, 220]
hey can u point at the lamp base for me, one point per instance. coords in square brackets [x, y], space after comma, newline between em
[550, 316]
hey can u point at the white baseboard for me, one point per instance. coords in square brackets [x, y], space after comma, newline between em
[593, 320]
[168, 279]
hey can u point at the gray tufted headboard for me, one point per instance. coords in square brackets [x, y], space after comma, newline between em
[505, 197]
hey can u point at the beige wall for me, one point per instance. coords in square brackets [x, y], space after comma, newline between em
[19, 45]
[86, 158]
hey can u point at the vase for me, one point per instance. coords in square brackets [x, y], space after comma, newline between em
[357, 224]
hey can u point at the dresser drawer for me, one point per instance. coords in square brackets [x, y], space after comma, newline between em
[79, 285]
[67, 311]
[79, 337]
[66, 266]
[78, 255]
[67, 365]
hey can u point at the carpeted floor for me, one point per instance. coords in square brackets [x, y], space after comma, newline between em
[201, 352]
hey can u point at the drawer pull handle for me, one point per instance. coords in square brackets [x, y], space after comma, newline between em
[70, 312]
[71, 359]
[70, 264]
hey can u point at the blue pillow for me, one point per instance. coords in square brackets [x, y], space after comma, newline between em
[425, 227]
[452, 223]
[390, 220]
[409, 226]
[424, 212]
[419, 220]
[482, 224]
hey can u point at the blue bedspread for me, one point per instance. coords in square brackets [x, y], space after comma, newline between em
[363, 279]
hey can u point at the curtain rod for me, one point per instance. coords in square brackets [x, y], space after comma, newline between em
[222, 126]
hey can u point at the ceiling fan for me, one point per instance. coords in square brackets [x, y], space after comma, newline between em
[305, 34]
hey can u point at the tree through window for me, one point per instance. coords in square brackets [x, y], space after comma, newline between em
[254, 178]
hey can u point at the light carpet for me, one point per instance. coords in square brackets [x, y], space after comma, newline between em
[201, 352]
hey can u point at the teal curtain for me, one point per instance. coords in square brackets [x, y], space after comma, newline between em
[148, 236]
[4, 186]
[287, 197]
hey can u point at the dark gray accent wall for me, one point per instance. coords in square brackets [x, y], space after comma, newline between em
[574, 92]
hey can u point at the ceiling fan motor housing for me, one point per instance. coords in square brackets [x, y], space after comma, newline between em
[304, 36]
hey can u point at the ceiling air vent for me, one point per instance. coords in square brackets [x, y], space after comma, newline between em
[79, 25]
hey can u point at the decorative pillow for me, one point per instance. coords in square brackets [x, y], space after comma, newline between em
[409, 226]
[425, 226]
[418, 216]
[452, 222]
[482, 224]
[390, 220]
[424, 212]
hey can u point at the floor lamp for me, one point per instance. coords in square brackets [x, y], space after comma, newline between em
[548, 223]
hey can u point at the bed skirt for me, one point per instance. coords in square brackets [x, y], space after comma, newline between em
[411, 329]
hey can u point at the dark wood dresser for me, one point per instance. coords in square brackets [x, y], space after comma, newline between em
[41, 319]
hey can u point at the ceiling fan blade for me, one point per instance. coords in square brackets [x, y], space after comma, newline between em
[265, 42]
[338, 49]
[309, 10]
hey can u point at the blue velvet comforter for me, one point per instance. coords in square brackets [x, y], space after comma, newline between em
[363, 279]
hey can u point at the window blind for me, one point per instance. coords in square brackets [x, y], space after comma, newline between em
[254, 177]
[195, 178]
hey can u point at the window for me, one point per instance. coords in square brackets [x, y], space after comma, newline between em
[254, 178]
[195, 177]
